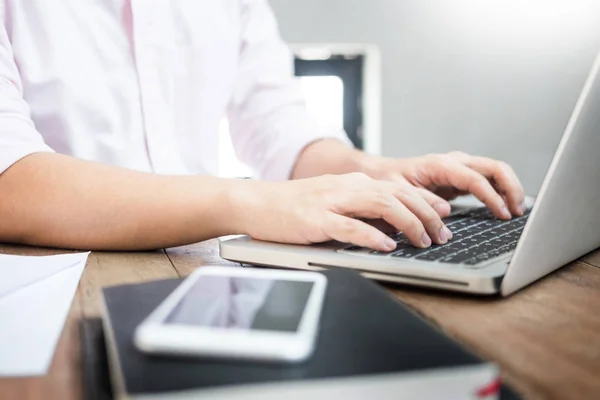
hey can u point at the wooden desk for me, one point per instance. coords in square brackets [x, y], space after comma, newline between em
[546, 338]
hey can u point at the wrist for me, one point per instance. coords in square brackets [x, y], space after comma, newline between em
[383, 168]
[243, 200]
[367, 164]
[329, 156]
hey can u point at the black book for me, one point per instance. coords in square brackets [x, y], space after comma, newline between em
[369, 345]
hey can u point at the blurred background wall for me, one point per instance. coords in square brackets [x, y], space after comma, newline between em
[493, 77]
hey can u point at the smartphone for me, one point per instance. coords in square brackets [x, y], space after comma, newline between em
[241, 313]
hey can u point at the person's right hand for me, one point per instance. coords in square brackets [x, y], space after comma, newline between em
[329, 207]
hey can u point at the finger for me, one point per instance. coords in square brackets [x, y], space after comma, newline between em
[376, 204]
[464, 178]
[431, 220]
[441, 206]
[506, 180]
[350, 230]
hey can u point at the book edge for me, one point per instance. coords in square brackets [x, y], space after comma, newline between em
[115, 369]
[310, 388]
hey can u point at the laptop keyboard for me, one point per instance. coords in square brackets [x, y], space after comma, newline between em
[477, 237]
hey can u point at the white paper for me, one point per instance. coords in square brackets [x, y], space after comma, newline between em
[35, 299]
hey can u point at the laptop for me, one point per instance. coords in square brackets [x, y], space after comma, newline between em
[486, 255]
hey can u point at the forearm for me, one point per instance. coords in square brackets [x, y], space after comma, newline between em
[328, 156]
[59, 201]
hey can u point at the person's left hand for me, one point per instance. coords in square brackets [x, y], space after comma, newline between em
[442, 177]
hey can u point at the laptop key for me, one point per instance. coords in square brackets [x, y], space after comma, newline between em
[487, 235]
[516, 233]
[505, 249]
[472, 261]
[505, 229]
[512, 246]
[462, 244]
[450, 220]
[481, 212]
[459, 236]
[510, 238]
[409, 252]
[487, 245]
[463, 224]
[399, 246]
[472, 241]
[399, 237]
[506, 239]
[448, 250]
[498, 252]
[521, 222]
[498, 242]
[477, 237]
[481, 258]
[479, 228]
[380, 253]
[459, 258]
[432, 256]
[493, 222]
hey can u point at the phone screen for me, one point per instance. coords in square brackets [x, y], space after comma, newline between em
[242, 303]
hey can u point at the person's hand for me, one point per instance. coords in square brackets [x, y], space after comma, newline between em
[447, 176]
[329, 207]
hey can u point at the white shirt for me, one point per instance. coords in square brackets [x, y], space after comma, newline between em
[143, 84]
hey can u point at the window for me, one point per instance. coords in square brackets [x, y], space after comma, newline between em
[324, 99]
[348, 69]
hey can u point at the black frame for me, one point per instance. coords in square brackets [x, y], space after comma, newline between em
[350, 70]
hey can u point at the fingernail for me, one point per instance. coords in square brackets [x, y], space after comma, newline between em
[522, 208]
[448, 232]
[504, 211]
[442, 208]
[389, 244]
[443, 235]
[426, 240]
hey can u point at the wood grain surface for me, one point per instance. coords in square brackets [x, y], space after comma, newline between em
[546, 338]
[592, 258]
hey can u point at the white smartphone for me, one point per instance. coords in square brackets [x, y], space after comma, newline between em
[258, 314]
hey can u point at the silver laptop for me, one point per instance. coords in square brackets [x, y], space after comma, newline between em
[486, 255]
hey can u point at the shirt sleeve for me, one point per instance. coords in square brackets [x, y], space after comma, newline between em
[18, 136]
[268, 120]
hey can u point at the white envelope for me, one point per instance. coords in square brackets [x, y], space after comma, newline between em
[35, 298]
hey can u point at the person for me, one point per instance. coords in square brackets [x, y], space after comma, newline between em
[109, 113]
